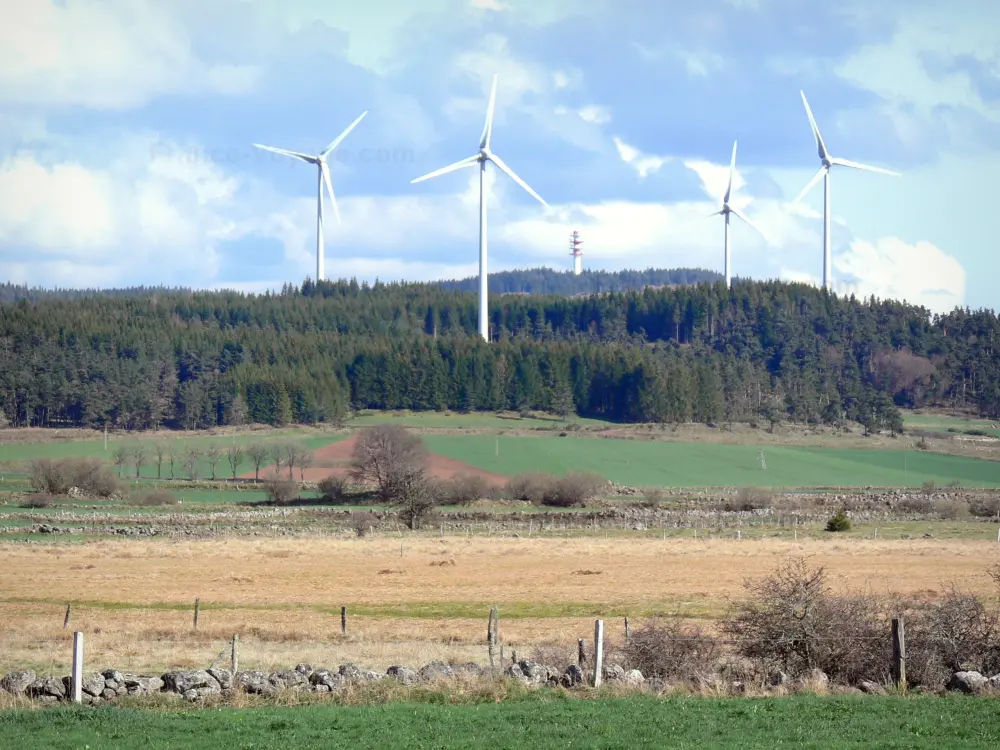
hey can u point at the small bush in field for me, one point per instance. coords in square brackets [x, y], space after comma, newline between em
[749, 498]
[57, 476]
[532, 487]
[576, 488]
[839, 522]
[666, 647]
[464, 489]
[362, 522]
[154, 499]
[281, 491]
[333, 488]
[38, 500]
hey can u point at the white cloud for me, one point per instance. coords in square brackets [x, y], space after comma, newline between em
[643, 164]
[131, 218]
[595, 114]
[701, 64]
[495, 5]
[920, 273]
[715, 179]
[112, 54]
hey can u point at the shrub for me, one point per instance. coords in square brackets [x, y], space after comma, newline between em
[792, 622]
[951, 510]
[653, 494]
[666, 647]
[281, 491]
[464, 489]
[749, 498]
[575, 489]
[954, 633]
[362, 521]
[928, 487]
[333, 488]
[532, 487]
[985, 507]
[38, 500]
[839, 522]
[57, 476]
[916, 504]
[154, 498]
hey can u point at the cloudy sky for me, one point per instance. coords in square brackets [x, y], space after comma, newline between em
[126, 129]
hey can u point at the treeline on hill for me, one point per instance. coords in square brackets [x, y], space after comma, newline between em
[16, 292]
[548, 281]
[761, 351]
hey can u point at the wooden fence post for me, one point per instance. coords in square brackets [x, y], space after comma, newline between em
[197, 608]
[77, 667]
[491, 635]
[581, 653]
[69, 608]
[899, 652]
[343, 620]
[234, 661]
[598, 651]
[628, 631]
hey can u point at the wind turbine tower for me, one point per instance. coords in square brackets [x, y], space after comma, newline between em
[485, 155]
[322, 176]
[576, 252]
[725, 210]
[826, 163]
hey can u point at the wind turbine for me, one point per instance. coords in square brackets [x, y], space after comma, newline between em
[726, 209]
[323, 175]
[824, 173]
[484, 155]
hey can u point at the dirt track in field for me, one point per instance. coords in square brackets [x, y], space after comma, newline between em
[335, 459]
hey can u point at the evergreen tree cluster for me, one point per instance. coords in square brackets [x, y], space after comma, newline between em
[548, 281]
[767, 351]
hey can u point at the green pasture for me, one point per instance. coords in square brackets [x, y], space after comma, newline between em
[945, 423]
[677, 464]
[546, 720]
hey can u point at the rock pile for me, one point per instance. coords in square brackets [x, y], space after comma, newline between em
[198, 684]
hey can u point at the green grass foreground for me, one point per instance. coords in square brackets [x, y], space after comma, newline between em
[545, 721]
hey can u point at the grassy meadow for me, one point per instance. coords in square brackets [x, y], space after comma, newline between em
[546, 720]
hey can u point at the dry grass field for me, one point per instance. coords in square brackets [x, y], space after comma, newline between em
[134, 599]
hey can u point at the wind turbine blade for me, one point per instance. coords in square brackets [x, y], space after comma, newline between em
[812, 183]
[304, 157]
[732, 170]
[857, 165]
[468, 162]
[714, 213]
[748, 222]
[820, 146]
[510, 173]
[336, 141]
[329, 188]
[484, 139]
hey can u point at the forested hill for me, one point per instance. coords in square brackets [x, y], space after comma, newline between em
[771, 351]
[16, 292]
[548, 281]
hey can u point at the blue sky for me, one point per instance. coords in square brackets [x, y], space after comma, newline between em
[126, 129]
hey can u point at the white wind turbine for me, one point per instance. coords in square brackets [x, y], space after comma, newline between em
[484, 155]
[726, 209]
[824, 172]
[323, 176]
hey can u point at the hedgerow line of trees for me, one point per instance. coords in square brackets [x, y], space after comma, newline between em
[766, 351]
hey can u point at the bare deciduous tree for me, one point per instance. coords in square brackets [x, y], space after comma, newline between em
[159, 453]
[191, 459]
[258, 454]
[234, 454]
[213, 453]
[120, 457]
[395, 461]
